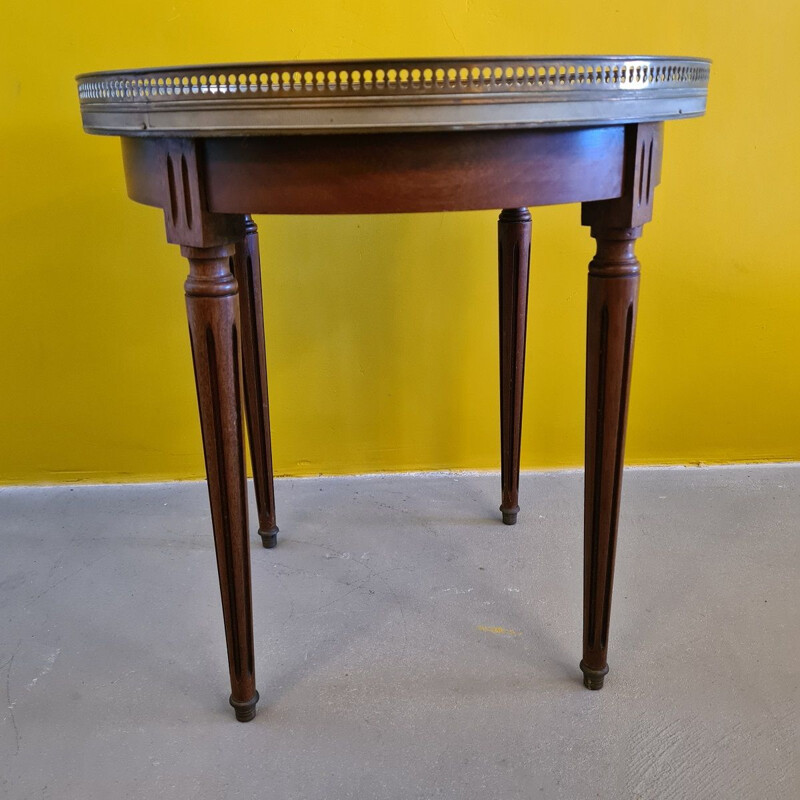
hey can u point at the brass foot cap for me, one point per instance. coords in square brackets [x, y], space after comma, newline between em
[593, 678]
[269, 538]
[509, 515]
[245, 709]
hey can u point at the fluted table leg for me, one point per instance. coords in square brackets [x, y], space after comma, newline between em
[611, 318]
[212, 308]
[615, 224]
[247, 269]
[514, 250]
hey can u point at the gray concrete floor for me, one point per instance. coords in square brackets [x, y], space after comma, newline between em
[408, 644]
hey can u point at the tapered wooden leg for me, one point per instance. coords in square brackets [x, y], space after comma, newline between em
[247, 270]
[613, 286]
[514, 250]
[212, 308]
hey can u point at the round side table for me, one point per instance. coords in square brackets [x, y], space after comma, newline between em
[211, 145]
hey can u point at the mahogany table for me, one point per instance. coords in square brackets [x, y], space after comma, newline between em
[211, 145]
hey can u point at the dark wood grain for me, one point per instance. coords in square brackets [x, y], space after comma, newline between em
[611, 321]
[207, 187]
[514, 253]
[611, 315]
[246, 266]
[389, 173]
[640, 172]
[208, 242]
[176, 165]
[213, 312]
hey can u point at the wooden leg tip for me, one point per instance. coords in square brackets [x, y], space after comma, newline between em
[245, 709]
[593, 678]
[269, 538]
[509, 515]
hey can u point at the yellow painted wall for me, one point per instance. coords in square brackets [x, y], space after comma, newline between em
[382, 330]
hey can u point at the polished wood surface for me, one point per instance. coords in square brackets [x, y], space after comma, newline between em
[611, 317]
[208, 241]
[610, 326]
[246, 266]
[390, 173]
[182, 193]
[213, 311]
[514, 255]
[208, 187]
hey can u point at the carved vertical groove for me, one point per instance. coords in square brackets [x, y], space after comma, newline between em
[187, 192]
[243, 534]
[598, 469]
[641, 176]
[618, 465]
[513, 253]
[173, 196]
[229, 584]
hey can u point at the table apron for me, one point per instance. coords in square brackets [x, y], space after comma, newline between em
[390, 173]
